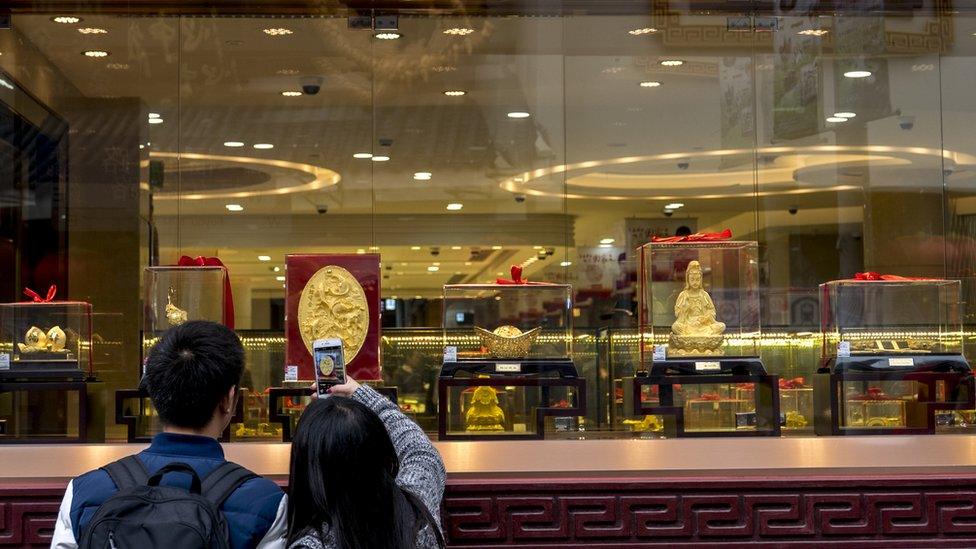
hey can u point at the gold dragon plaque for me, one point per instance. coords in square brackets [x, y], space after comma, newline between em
[333, 304]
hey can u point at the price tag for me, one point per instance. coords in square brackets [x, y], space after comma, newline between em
[4, 361]
[844, 349]
[707, 366]
[291, 373]
[660, 353]
[901, 361]
[450, 353]
[508, 367]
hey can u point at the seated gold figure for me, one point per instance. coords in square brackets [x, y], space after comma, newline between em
[484, 413]
[696, 332]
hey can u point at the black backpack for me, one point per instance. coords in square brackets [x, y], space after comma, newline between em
[145, 514]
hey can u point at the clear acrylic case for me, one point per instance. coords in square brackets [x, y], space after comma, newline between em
[174, 295]
[699, 299]
[45, 339]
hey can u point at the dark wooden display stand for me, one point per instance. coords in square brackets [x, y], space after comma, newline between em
[276, 394]
[7, 386]
[665, 374]
[131, 422]
[928, 371]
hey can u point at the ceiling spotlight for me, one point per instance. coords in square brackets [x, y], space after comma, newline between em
[455, 93]
[650, 84]
[153, 115]
[672, 63]
[496, 247]
[280, 278]
[433, 269]
[291, 93]
[565, 263]
[92, 30]
[605, 245]
[414, 248]
[387, 35]
[812, 32]
[423, 176]
[845, 114]
[276, 269]
[454, 206]
[857, 74]
[363, 156]
[233, 143]
[836, 119]
[263, 146]
[380, 158]
[674, 206]
[458, 31]
[141, 146]
[95, 53]
[645, 30]
[518, 114]
[455, 247]
[264, 258]
[278, 31]
[155, 120]
[607, 241]
[361, 251]
[235, 207]
[66, 19]
[374, 248]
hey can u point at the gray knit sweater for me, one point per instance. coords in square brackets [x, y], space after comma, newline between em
[421, 469]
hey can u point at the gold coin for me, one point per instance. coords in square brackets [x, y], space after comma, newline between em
[333, 305]
[326, 366]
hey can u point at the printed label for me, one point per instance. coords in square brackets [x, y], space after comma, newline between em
[508, 367]
[707, 366]
[291, 373]
[844, 349]
[450, 353]
[660, 353]
[901, 361]
[4, 361]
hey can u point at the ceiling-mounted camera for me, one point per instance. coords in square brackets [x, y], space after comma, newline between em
[793, 210]
[435, 251]
[520, 198]
[322, 208]
[311, 85]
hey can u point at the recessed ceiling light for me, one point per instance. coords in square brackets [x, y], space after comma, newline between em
[455, 247]
[519, 114]
[612, 70]
[380, 158]
[467, 263]
[455, 206]
[66, 19]
[287, 72]
[235, 207]
[276, 269]
[605, 245]
[836, 119]
[672, 63]
[117, 66]
[153, 115]
[458, 31]
[455, 93]
[233, 143]
[496, 247]
[645, 30]
[141, 146]
[278, 31]
[433, 268]
[291, 93]
[674, 205]
[444, 68]
[845, 114]
[423, 176]
[363, 156]
[264, 258]
[155, 120]
[565, 263]
[263, 146]
[374, 248]
[361, 251]
[812, 32]
[92, 30]
[280, 278]
[607, 241]
[650, 84]
[95, 53]
[857, 74]
[387, 35]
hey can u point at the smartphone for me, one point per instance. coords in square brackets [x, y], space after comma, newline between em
[330, 366]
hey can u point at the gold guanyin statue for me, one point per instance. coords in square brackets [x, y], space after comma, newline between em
[37, 341]
[174, 315]
[696, 332]
[508, 341]
[484, 414]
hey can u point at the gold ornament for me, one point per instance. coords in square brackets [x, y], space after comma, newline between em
[37, 341]
[508, 341]
[795, 420]
[484, 413]
[56, 339]
[174, 315]
[695, 332]
[333, 305]
[326, 366]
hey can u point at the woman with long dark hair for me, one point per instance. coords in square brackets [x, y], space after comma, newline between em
[363, 476]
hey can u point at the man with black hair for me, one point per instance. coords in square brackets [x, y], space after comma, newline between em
[193, 377]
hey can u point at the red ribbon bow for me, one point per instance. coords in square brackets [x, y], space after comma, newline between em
[201, 261]
[795, 383]
[36, 298]
[697, 237]
[517, 278]
[870, 276]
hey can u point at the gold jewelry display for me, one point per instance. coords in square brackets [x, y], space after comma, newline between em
[37, 341]
[174, 315]
[508, 341]
[333, 305]
[326, 366]
[484, 413]
[695, 332]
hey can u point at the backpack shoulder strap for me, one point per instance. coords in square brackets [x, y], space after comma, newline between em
[223, 481]
[127, 472]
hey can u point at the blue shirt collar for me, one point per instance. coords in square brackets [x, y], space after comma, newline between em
[173, 444]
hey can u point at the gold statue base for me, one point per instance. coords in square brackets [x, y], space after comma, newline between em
[698, 345]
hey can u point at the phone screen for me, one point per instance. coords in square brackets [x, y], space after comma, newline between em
[330, 367]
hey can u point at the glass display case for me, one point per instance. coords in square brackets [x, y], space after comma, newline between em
[176, 294]
[892, 356]
[45, 340]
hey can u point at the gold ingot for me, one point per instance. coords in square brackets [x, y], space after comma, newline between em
[508, 341]
[333, 305]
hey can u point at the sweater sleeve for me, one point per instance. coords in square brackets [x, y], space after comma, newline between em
[421, 468]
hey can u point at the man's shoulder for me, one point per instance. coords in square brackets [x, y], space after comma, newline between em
[257, 496]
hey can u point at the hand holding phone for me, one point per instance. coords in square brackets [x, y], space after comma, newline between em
[330, 366]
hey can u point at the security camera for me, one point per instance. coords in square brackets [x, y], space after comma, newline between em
[312, 84]
[550, 251]
[520, 198]
[435, 251]
[906, 122]
[322, 208]
[386, 142]
[668, 213]
[683, 164]
[793, 210]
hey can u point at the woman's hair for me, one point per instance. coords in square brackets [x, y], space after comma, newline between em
[343, 474]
